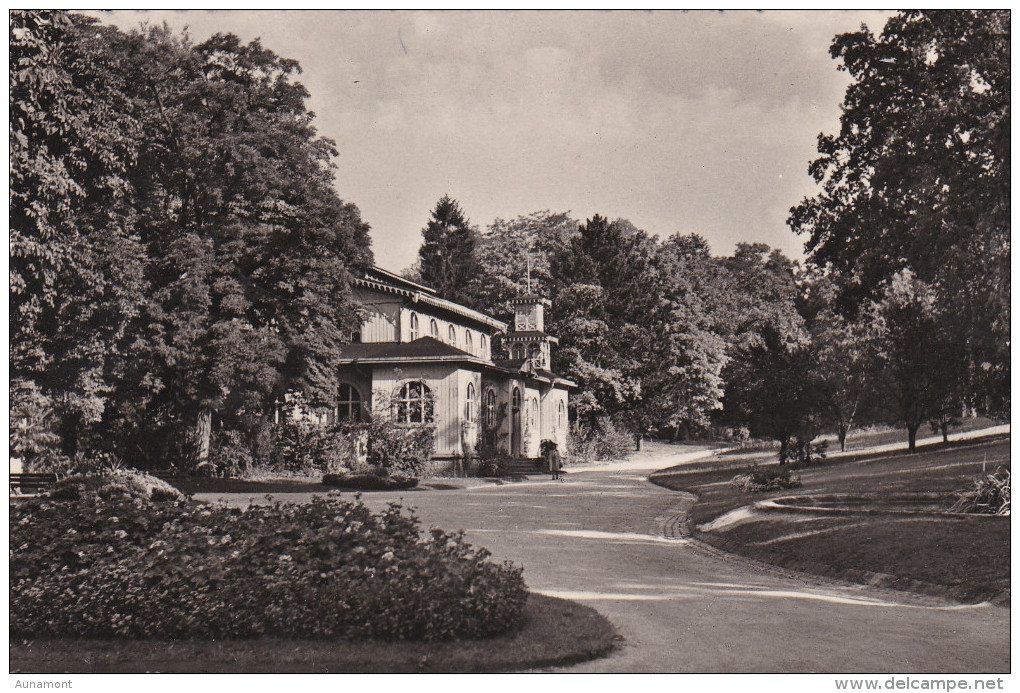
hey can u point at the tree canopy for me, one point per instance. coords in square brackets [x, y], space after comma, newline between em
[917, 177]
[446, 259]
[178, 248]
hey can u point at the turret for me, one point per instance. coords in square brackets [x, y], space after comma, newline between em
[528, 339]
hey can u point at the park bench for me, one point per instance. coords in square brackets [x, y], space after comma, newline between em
[30, 482]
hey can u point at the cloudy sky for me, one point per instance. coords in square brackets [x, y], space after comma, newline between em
[699, 122]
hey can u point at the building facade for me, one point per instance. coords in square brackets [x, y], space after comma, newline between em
[426, 361]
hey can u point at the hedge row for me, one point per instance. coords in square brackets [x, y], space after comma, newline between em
[327, 568]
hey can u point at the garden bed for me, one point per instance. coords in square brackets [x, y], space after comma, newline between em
[327, 568]
[555, 632]
[965, 557]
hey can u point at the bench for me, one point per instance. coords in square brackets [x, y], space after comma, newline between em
[31, 482]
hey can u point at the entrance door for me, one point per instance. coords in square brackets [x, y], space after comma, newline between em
[515, 423]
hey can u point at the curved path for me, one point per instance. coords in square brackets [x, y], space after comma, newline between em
[610, 539]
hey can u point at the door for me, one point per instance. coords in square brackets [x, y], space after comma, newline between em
[515, 423]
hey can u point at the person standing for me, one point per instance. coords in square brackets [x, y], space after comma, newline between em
[552, 458]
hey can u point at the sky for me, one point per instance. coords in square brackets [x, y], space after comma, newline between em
[681, 122]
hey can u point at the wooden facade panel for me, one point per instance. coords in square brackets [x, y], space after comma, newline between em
[381, 316]
[479, 347]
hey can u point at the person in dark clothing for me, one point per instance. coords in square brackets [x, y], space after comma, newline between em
[552, 458]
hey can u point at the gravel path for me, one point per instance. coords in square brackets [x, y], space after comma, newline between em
[608, 538]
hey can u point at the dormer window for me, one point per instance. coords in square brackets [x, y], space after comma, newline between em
[414, 327]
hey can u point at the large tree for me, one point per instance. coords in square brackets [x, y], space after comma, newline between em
[686, 381]
[918, 175]
[76, 282]
[604, 310]
[513, 257]
[446, 258]
[918, 359]
[771, 389]
[251, 250]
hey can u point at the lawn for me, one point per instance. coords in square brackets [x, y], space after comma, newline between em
[964, 556]
[555, 632]
[858, 439]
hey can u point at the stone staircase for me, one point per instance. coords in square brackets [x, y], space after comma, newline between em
[527, 466]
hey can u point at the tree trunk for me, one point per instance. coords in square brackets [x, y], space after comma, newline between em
[912, 437]
[945, 431]
[842, 438]
[784, 450]
[637, 445]
[203, 432]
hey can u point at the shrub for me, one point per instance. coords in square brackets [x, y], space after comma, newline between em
[93, 486]
[802, 453]
[33, 438]
[323, 569]
[497, 463]
[400, 448]
[604, 441]
[370, 481]
[312, 449]
[758, 478]
[988, 496]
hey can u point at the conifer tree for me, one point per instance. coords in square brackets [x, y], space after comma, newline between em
[446, 258]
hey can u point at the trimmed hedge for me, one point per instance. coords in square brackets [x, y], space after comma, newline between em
[114, 483]
[327, 568]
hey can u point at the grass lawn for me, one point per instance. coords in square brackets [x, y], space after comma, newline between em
[859, 439]
[555, 632]
[966, 556]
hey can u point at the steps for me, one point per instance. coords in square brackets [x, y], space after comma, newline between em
[526, 466]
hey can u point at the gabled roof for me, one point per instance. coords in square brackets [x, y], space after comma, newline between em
[387, 282]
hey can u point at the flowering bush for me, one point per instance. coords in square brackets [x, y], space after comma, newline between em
[327, 568]
[303, 446]
[402, 448]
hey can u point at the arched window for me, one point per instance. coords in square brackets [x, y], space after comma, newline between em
[434, 329]
[469, 341]
[481, 343]
[348, 405]
[516, 400]
[470, 405]
[561, 416]
[414, 326]
[532, 413]
[414, 403]
[490, 408]
[515, 351]
[452, 332]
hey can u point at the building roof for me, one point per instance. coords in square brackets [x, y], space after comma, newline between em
[530, 299]
[421, 348]
[529, 334]
[517, 366]
[386, 276]
[382, 280]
